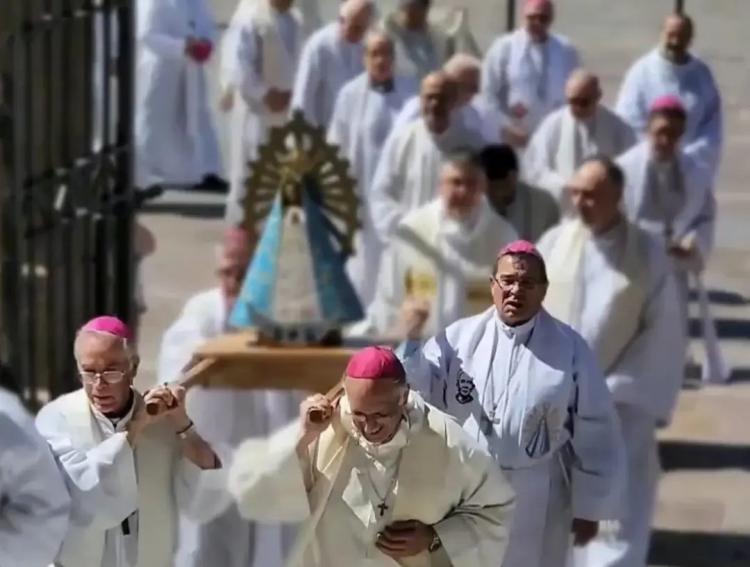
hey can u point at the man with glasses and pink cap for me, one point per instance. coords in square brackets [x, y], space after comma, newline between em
[127, 470]
[525, 71]
[529, 390]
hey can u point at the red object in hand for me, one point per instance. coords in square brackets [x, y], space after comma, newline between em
[201, 50]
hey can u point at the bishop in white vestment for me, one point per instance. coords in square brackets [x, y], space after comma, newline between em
[226, 418]
[568, 136]
[528, 388]
[441, 253]
[34, 502]
[668, 193]
[175, 138]
[472, 110]
[525, 71]
[260, 53]
[332, 56]
[611, 281]
[127, 470]
[378, 477]
[531, 211]
[407, 175]
[362, 120]
[671, 69]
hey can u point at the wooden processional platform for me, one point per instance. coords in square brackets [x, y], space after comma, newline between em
[237, 361]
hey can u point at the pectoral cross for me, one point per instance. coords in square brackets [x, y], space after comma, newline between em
[382, 507]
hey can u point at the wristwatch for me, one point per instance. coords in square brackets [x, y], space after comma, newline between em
[185, 432]
[435, 544]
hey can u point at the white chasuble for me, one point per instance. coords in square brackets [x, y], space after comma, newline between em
[331, 489]
[440, 260]
[534, 396]
[517, 70]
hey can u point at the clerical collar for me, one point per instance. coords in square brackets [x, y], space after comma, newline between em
[520, 332]
[382, 86]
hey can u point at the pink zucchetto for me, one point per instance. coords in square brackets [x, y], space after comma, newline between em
[520, 247]
[538, 5]
[375, 363]
[667, 103]
[110, 325]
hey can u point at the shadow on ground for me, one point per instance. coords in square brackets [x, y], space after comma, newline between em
[696, 549]
[681, 455]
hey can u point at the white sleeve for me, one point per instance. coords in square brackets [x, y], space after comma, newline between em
[307, 81]
[101, 481]
[707, 145]
[631, 104]
[493, 83]
[249, 70]
[152, 36]
[34, 502]
[202, 495]
[596, 472]
[649, 373]
[537, 162]
[180, 342]
[338, 129]
[387, 185]
[427, 367]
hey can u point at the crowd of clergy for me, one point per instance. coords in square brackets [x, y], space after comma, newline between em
[530, 251]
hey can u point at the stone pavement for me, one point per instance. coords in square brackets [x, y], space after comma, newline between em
[703, 515]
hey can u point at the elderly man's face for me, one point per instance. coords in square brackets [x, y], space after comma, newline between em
[583, 98]
[518, 288]
[665, 132]
[377, 407]
[353, 28]
[594, 196]
[106, 357]
[538, 19]
[461, 189]
[438, 98]
[676, 36]
[379, 60]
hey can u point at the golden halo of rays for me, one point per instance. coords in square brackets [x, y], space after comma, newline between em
[293, 153]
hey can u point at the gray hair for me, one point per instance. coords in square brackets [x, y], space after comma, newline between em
[128, 346]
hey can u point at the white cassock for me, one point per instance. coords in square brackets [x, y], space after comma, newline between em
[618, 291]
[361, 122]
[174, 134]
[261, 51]
[440, 260]
[653, 76]
[675, 202]
[327, 63]
[518, 70]
[408, 173]
[346, 490]
[34, 503]
[532, 212]
[478, 115]
[418, 53]
[562, 143]
[224, 418]
[534, 396]
[124, 501]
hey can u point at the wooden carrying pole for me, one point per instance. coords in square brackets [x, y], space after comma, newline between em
[192, 375]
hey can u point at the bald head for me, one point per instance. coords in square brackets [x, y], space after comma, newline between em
[596, 190]
[583, 93]
[465, 70]
[438, 97]
[354, 19]
[379, 56]
[676, 37]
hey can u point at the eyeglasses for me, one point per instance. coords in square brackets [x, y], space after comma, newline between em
[108, 376]
[362, 418]
[507, 284]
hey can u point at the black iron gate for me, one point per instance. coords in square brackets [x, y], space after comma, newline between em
[65, 181]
